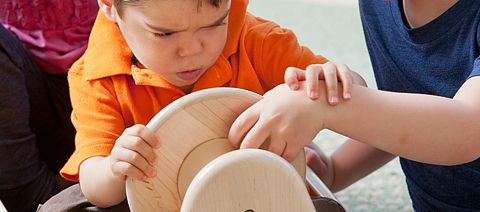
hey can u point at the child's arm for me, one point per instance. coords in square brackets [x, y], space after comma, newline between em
[328, 71]
[419, 127]
[353, 160]
[424, 128]
[102, 179]
[348, 164]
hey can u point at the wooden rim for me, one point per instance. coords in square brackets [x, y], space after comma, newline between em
[183, 127]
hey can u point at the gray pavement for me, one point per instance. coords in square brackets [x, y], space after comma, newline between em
[332, 28]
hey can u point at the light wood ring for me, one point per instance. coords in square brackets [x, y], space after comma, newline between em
[183, 127]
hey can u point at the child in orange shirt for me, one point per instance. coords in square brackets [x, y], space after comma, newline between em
[142, 55]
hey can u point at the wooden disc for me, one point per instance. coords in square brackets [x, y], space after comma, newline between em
[247, 180]
[188, 129]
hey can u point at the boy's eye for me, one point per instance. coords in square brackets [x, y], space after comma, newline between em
[215, 25]
[163, 35]
[220, 24]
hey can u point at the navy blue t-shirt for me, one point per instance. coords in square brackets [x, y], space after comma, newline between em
[436, 59]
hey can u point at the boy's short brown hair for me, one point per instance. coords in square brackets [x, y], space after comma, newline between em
[119, 3]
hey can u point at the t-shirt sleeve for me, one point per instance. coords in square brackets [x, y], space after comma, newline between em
[476, 68]
[476, 64]
[278, 50]
[96, 118]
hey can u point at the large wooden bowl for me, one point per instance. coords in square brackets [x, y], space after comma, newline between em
[193, 132]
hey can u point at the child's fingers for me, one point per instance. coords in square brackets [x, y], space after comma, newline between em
[317, 157]
[330, 73]
[312, 75]
[319, 163]
[145, 133]
[243, 124]
[310, 156]
[277, 144]
[140, 146]
[126, 169]
[313, 146]
[293, 76]
[315, 162]
[135, 161]
[347, 80]
[257, 134]
[291, 151]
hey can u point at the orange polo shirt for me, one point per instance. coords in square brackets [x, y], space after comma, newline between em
[109, 94]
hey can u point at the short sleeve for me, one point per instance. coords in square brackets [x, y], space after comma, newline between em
[276, 49]
[476, 68]
[97, 118]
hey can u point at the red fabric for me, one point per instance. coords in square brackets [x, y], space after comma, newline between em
[55, 31]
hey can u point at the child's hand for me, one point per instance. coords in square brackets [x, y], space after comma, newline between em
[329, 72]
[288, 118]
[319, 163]
[133, 153]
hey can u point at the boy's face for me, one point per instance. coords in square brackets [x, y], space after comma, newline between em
[178, 39]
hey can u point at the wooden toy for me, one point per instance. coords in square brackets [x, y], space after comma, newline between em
[195, 155]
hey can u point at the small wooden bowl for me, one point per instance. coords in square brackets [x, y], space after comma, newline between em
[247, 180]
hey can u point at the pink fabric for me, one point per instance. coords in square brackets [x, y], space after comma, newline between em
[54, 31]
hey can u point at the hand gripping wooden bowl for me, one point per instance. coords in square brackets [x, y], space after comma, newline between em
[193, 133]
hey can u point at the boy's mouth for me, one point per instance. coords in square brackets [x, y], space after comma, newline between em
[189, 75]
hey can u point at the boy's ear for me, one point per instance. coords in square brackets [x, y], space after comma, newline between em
[107, 9]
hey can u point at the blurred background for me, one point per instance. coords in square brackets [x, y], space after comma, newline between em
[332, 28]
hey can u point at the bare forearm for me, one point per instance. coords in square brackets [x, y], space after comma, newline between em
[425, 128]
[99, 185]
[355, 160]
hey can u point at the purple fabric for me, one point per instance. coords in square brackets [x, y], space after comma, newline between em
[54, 31]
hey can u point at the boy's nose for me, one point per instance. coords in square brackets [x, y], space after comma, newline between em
[190, 47]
